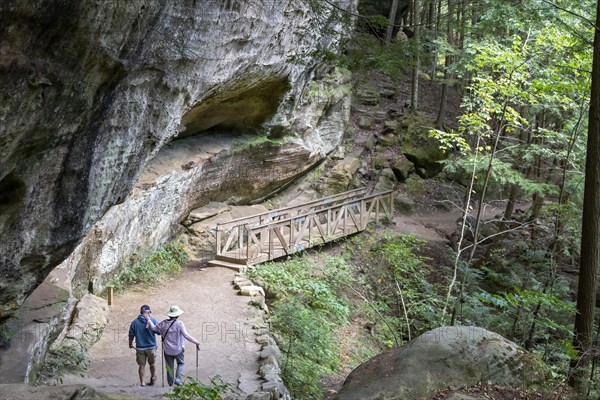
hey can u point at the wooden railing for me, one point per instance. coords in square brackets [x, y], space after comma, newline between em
[282, 232]
[291, 211]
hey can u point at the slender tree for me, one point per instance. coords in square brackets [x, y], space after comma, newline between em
[439, 123]
[590, 231]
[414, 98]
[392, 22]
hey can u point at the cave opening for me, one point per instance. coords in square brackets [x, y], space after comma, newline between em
[232, 117]
[12, 194]
[244, 107]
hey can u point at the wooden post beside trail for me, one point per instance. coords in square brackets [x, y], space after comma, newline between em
[110, 295]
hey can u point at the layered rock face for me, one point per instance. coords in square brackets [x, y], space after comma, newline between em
[93, 94]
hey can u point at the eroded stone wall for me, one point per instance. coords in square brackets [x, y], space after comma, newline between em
[118, 118]
[91, 91]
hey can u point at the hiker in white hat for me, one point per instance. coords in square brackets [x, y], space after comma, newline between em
[173, 334]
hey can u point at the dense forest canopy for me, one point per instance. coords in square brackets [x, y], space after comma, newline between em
[524, 70]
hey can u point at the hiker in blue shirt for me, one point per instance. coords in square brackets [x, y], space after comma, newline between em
[145, 344]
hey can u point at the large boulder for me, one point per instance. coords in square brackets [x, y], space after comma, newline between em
[88, 321]
[341, 177]
[20, 391]
[447, 357]
[386, 181]
[420, 149]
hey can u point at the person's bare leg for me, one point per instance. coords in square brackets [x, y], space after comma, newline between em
[153, 372]
[142, 372]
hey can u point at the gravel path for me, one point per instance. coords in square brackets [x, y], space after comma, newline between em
[213, 313]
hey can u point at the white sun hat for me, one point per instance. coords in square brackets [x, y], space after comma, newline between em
[174, 311]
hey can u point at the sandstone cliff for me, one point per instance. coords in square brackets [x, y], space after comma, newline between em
[93, 92]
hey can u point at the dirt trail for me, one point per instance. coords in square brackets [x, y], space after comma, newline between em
[213, 313]
[433, 226]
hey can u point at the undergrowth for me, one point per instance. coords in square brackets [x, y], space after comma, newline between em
[61, 360]
[307, 307]
[192, 389]
[312, 298]
[394, 279]
[383, 283]
[149, 267]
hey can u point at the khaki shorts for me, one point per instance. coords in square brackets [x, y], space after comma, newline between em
[142, 355]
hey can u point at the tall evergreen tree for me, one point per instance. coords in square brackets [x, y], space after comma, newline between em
[590, 232]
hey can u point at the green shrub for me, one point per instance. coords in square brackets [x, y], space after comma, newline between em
[519, 295]
[7, 330]
[308, 303]
[396, 284]
[414, 186]
[195, 390]
[64, 359]
[260, 139]
[150, 267]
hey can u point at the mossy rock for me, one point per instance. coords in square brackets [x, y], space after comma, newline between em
[389, 140]
[402, 168]
[388, 92]
[404, 204]
[365, 121]
[414, 186]
[370, 142]
[424, 152]
[451, 357]
[379, 162]
[367, 94]
[387, 181]
[395, 125]
[341, 177]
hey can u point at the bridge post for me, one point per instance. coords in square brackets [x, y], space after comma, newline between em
[218, 242]
[270, 256]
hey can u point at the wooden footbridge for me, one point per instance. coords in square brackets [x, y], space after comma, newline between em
[285, 231]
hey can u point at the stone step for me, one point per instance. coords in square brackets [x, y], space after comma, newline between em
[226, 264]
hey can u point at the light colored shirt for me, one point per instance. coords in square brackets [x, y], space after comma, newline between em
[173, 342]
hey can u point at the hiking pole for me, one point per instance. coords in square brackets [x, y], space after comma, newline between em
[197, 351]
[162, 363]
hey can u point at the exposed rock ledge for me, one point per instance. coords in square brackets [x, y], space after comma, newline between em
[92, 91]
[95, 96]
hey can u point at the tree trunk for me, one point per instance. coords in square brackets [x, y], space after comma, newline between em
[392, 19]
[515, 190]
[461, 23]
[441, 117]
[537, 198]
[435, 12]
[590, 230]
[414, 98]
